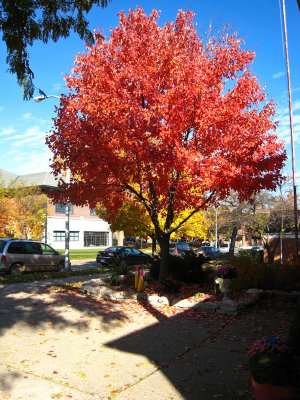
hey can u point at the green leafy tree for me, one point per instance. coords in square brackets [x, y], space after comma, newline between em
[22, 22]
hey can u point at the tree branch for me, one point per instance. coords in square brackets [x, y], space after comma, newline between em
[193, 212]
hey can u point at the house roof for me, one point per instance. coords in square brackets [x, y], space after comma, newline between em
[41, 179]
[7, 177]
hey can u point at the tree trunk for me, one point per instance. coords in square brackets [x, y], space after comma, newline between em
[153, 245]
[232, 241]
[163, 242]
[271, 252]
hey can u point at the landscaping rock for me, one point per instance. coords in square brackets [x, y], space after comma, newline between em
[185, 303]
[229, 306]
[98, 288]
[206, 306]
[255, 293]
[155, 299]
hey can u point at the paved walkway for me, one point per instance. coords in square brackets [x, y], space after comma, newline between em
[58, 345]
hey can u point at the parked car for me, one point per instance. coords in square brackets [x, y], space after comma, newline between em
[183, 240]
[21, 255]
[196, 243]
[180, 249]
[224, 248]
[257, 248]
[131, 255]
[209, 252]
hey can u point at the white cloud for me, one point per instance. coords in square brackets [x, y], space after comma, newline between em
[37, 161]
[29, 117]
[278, 75]
[59, 87]
[32, 134]
[7, 131]
[296, 105]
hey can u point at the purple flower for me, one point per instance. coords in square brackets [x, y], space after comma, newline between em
[226, 271]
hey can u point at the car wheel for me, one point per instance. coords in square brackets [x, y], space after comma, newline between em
[60, 266]
[16, 269]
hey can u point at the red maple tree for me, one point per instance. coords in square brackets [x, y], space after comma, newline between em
[162, 117]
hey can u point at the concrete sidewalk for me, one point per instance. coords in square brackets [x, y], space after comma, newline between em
[67, 346]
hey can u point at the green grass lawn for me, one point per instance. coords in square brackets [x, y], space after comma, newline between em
[86, 254]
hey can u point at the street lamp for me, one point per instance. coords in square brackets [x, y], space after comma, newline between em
[67, 206]
[41, 98]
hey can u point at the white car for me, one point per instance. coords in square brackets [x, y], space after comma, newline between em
[224, 248]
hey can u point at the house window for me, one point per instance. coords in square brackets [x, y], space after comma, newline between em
[59, 236]
[92, 211]
[61, 208]
[95, 239]
[74, 236]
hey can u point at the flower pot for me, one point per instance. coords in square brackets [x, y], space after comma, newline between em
[227, 287]
[270, 392]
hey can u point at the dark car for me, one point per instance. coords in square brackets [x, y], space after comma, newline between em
[21, 255]
[196, 243]
[180, 249]
[131, 255]
[209, 252]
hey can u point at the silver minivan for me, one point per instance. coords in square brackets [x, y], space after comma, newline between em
[21, 255]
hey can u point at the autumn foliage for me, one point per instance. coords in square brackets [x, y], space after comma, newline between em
[23, 210]
[163, 117]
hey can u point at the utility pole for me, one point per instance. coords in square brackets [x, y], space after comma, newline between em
[292, 131]
[67, 206]
[216, 228]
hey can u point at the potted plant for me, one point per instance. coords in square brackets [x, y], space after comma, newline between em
[274, 365]
[226, 274]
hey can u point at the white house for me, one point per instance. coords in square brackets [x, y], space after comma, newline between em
[86, 229]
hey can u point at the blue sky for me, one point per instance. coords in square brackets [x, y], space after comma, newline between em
[24, 124]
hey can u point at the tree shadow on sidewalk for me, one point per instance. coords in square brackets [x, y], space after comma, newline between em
[202, 355]
[36, 306]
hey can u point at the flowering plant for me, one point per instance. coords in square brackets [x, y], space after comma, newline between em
[273, 361]
[226, 271]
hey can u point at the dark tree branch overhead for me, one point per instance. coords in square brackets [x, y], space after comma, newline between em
[22, 22]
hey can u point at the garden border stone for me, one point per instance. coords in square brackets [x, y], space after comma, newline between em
[98, 288]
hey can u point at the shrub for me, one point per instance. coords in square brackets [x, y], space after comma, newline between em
[183, 269]
[154, 268]
[170, 286]
[252, 274]
[253, 255]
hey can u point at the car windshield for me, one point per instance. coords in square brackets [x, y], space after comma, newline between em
[183, 246]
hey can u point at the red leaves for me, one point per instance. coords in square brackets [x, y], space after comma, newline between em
[149, 112]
